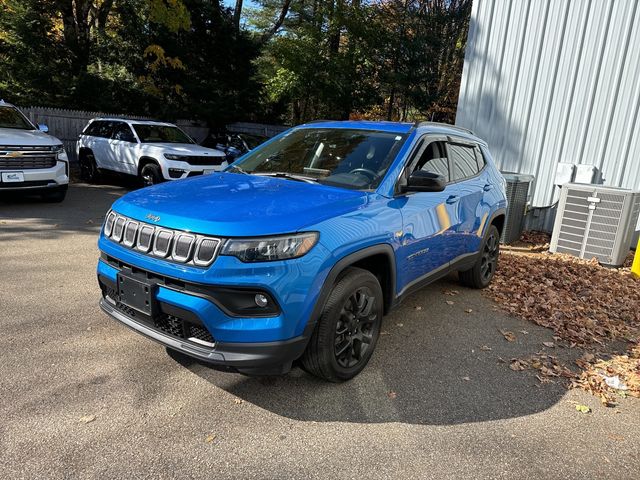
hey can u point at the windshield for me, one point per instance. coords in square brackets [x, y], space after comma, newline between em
[161, 134]
[356, 159]
[12, 118]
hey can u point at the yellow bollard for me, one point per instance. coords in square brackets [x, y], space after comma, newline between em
[635, 268]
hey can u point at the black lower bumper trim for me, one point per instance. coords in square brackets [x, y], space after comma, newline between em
[250, 358]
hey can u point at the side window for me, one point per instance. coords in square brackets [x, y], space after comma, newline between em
[464, 161]
[433, 159]
[106, 129]
[92, 129]
[121, 131]
[480, 157]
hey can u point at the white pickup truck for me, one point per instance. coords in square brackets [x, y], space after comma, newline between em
[152, 151]
[31, 161]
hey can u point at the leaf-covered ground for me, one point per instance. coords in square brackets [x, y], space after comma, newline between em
[587, 306]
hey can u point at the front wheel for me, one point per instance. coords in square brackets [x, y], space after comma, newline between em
[348, 329]
[88, 168]
[481, 274]
[151, 175]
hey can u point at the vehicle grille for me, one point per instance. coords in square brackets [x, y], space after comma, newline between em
[26, 158]
[204, 160]
[175, 245]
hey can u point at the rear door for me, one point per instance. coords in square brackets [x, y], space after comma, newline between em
[429, 218]
[99, 134]
[122, 146]
[469, 185]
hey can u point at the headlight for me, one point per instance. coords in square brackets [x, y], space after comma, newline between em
[270, 248]
[171, 156]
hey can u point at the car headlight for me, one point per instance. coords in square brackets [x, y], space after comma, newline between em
[270, 248]
[172, 156]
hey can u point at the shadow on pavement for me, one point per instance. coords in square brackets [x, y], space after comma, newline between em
[430, 358]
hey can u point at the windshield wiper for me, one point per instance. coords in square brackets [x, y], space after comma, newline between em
[288, 176]
[236, 169]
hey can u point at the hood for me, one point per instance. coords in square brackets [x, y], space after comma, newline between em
[237, 205]
[184, 149]
[26, 138]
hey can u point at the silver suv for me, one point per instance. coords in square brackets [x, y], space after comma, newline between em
[30, 160]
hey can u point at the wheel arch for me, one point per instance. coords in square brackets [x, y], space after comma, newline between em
[498, 219]
[146, 160]
[377, 259]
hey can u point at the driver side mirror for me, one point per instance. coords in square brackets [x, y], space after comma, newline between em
[421, 181]
[43, 128]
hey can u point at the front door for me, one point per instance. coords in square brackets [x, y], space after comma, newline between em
[430, 219]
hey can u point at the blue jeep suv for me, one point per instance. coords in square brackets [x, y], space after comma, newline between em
[299, 248]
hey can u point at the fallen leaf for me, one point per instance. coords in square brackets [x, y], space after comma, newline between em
[583, 408]
[400, 324]
[518, 364]
[449, 302]
[418, 308]
[392, 394]
[87, 418]
[549, 344]
[238, 401]
[210, 438]
[466, 379]
[485, 348]
[451, 292]
[468, 310]
[508, 336]
[524, 332]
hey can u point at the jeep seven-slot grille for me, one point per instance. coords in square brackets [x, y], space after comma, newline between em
[169, 244]
[203, 160]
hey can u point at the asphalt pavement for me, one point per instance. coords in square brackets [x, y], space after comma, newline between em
[84, 397]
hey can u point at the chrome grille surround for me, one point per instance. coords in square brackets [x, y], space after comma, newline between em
[160, 242]
[15, 157]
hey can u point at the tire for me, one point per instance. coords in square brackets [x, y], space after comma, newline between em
[151, 175]
[481, 274]
[348, 329]
[89, 168]
[55, 196]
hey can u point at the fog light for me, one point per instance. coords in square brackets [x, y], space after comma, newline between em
[176, 172]
[261, 300]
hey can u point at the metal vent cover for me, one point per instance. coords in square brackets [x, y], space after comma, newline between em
[594, 221]
[517, 194]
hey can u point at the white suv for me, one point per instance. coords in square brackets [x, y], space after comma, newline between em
[153, 151]
[30, 160]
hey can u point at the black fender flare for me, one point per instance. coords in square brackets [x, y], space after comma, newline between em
[340, 266]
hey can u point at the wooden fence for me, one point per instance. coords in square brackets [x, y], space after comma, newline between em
[67, 125]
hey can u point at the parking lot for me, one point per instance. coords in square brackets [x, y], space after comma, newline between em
[84, 397]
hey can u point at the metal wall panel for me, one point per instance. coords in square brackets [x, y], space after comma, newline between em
[548, 81]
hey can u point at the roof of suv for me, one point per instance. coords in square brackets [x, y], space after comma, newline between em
[398, 127]
[132, 120]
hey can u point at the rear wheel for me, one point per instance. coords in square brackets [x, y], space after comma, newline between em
[151, 175]
[348, 329]
[89, 168]
[485, 268]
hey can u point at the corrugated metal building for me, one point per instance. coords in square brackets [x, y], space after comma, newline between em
[548, 81]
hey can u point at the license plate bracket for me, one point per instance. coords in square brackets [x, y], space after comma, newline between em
[13, 177]
[136, 294]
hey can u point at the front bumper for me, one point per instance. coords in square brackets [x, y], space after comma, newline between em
[37, 179]
[176, 170]
[181, 307]
[250, 358]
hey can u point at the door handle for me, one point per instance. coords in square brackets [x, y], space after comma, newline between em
[452, 199]
[487, 187]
